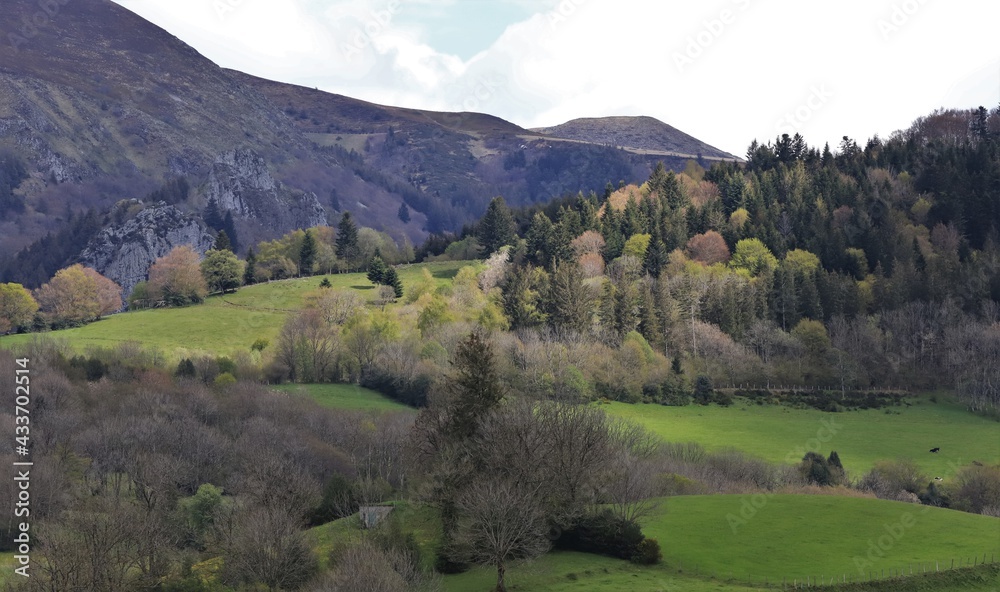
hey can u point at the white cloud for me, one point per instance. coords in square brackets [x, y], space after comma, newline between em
[750, 64]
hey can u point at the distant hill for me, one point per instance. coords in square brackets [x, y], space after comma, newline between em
[635, 133]
[100, 107]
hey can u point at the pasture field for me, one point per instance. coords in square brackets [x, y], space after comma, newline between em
[789, 536]
[800, 536]
[225, 323]
[782, 434]
[343, 396]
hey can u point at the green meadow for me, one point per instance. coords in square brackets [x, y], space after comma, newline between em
[225, 323]
[736, 543]
[343, 396]
[782, 434]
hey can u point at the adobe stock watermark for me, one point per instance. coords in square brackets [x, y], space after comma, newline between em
[377, 22]
[31, 24]
[793, 121]
[224, 7]
[751, 505]
[562, 13]
[879, 547]
[712, 29]
[900, 14]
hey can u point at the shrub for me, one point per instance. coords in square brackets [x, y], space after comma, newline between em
[603, 533]
[185, 369]
[703, 390]
[648, 553]
[224, 379]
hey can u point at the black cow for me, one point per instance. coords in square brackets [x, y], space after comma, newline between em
[935, 449]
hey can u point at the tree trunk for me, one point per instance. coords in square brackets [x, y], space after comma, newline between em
[501, 571]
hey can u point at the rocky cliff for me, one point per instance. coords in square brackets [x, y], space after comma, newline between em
[240, 183]
[124, 252]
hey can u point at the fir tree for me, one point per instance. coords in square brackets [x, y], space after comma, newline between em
[347, 239]
[251, 268]
[497, 228]
[377, 270]
[213, 217]
[404, 213]
[222, 242]
[391, 278]
[307, 254]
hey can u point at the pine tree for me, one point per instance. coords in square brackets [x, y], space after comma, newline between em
[656, 254]
[230, 227]
[212, 216]
[391, 278]
[347, 240]
[539, 239]
[251, 268]
[222, 242]
[476, 387]
[404, 213]
[377, 271]
[497, 226]
[307, 254]
[569, 303]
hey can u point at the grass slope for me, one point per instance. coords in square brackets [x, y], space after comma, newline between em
[796, 536]
[344, 396]
[781, 434]
[223, 324]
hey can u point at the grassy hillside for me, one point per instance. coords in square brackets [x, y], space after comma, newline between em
[223, 324]
[344, 396]
[781, 434]
[799, 536]
[698, 541]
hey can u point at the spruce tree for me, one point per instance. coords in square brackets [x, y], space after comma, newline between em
[307, 254]
[212, 216]
[222, 242]
[347, 239]
[391, 278]
[377, 270]
[404, 213]
[251, 268]
[230, 227]
[497, 226]
[475, 386]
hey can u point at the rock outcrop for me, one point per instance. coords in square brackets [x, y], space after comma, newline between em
[241, 183]
[124, 252]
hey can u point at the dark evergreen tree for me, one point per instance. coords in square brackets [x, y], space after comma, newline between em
[391, 278]
[476, 387]
[249, 272]
[569, 303]
[307, 254]
[539, 238]
[222, 242]
[347, 240]
[404, 213]
[229, 226]
[213, 217]
[377, 270]
[497, 228]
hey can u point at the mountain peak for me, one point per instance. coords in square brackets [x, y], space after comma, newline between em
[642, 134]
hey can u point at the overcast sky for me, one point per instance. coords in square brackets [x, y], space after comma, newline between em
[725, 71]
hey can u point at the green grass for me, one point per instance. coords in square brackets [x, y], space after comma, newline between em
[782, 434]
[790, 536]
[7, 565]
[344, 396]
[564, 571]
[799, 536]
[224, 324]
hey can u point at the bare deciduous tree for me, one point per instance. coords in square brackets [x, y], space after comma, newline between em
[499, 523]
